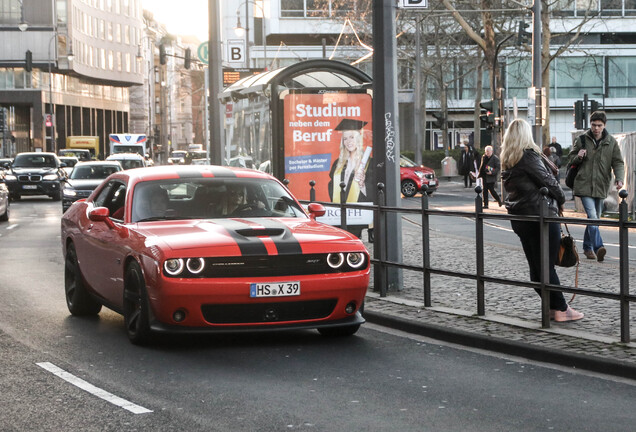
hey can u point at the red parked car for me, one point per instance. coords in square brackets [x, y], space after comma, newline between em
[207, 248]
[413, 177]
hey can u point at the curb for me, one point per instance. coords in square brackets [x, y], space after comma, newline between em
[504, 346]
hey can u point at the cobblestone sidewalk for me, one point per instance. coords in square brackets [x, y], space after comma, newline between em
[512, 323]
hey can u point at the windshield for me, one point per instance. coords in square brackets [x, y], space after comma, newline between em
[212, 198]
[34, 161]
[93, 172]
[406, 162]
[128, 148]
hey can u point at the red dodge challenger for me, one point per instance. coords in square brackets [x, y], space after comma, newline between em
[207, 248]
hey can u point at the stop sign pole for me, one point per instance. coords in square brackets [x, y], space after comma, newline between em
[386, 140]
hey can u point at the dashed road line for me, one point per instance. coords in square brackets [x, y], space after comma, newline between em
[95, 391]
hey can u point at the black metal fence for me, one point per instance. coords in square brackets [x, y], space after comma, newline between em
[382, 264]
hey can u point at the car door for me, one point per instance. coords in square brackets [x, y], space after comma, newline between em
[105, 248]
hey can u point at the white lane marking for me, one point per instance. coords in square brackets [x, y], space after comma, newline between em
[12, 226]
[96, 391]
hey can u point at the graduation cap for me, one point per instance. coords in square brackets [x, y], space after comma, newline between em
[350, 124]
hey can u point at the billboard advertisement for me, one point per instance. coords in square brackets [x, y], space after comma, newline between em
[328, 140]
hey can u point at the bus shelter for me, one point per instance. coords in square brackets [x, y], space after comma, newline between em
[308, 121]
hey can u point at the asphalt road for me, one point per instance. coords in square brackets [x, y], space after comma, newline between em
[378, 380]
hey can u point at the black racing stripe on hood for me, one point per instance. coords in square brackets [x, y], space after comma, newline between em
[247, 245]
[286, 244]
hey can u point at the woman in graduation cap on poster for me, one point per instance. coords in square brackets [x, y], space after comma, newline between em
[351, 165]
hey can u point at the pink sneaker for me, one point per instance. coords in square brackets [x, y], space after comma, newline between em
[567, 315]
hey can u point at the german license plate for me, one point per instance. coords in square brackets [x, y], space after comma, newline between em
[275, 289]
[29, 187]
[432, 183]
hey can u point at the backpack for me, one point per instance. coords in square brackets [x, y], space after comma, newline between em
[573, 170]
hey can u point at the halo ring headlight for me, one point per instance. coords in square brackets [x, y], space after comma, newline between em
[173, 266]
[335, 260]
[355, 259]
[195, 265]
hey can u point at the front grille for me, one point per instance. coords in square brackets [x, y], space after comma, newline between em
[82, 193]
[267, 312]
[268, 265]
[30, 178]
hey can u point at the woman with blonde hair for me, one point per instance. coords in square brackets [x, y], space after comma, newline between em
[525, 172]
[351, 165]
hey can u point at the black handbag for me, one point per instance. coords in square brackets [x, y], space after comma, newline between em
[573, 170]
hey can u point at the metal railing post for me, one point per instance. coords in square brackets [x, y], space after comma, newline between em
[426, 257]
[544, 247]
[378, 244]
[312, 191]
[343, 208]
[623, 253]
[479, 250]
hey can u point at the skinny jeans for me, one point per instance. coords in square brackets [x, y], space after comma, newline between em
[529, 235]
[490, 187]
[592, 238]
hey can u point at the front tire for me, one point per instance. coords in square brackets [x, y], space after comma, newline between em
[78, 300]
[409, 188]
[136, 307]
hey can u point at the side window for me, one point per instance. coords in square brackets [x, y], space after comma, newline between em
[113, 197]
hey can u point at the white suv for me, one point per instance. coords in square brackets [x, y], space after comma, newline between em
[128, 160]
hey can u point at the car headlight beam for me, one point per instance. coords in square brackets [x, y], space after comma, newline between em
[355, 259]
[173, 266]
[335, 260]
[195, 265]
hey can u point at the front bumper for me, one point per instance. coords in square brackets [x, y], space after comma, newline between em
[225, 304]
[44, 187]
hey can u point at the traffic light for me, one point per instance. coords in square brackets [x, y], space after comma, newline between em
[162, 54]
[439, 121]
[593, 106]
[578, 114]
[28, 64]
[524, 37]
[188, 58]
[487, 115]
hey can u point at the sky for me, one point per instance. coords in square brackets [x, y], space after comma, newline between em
[181, 17]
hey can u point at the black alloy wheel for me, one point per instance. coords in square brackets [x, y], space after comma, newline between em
[78, 300]
[136, 307]
[409, 188]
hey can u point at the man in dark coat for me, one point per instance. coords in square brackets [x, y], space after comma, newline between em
[467, 164]
[489, 172]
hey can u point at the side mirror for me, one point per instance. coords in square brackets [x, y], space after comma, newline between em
[99, 214]
[316, 210]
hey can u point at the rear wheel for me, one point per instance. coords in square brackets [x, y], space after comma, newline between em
[136, 307]
[78, 300]
[409, 188]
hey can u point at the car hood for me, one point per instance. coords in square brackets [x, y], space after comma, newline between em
[33, 170]
[84, 184]
[235, 237]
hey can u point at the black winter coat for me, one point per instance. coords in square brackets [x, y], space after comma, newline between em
[522, 183]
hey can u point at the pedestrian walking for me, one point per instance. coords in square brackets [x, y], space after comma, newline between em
[489, 172]
[467, 164]
[597, 154]
[557, 146]
[525, 172]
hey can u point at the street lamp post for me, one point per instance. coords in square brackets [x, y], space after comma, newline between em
[52, 146]
[239, 30]
[151, 80]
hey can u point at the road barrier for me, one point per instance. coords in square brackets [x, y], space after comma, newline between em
[381, 263]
